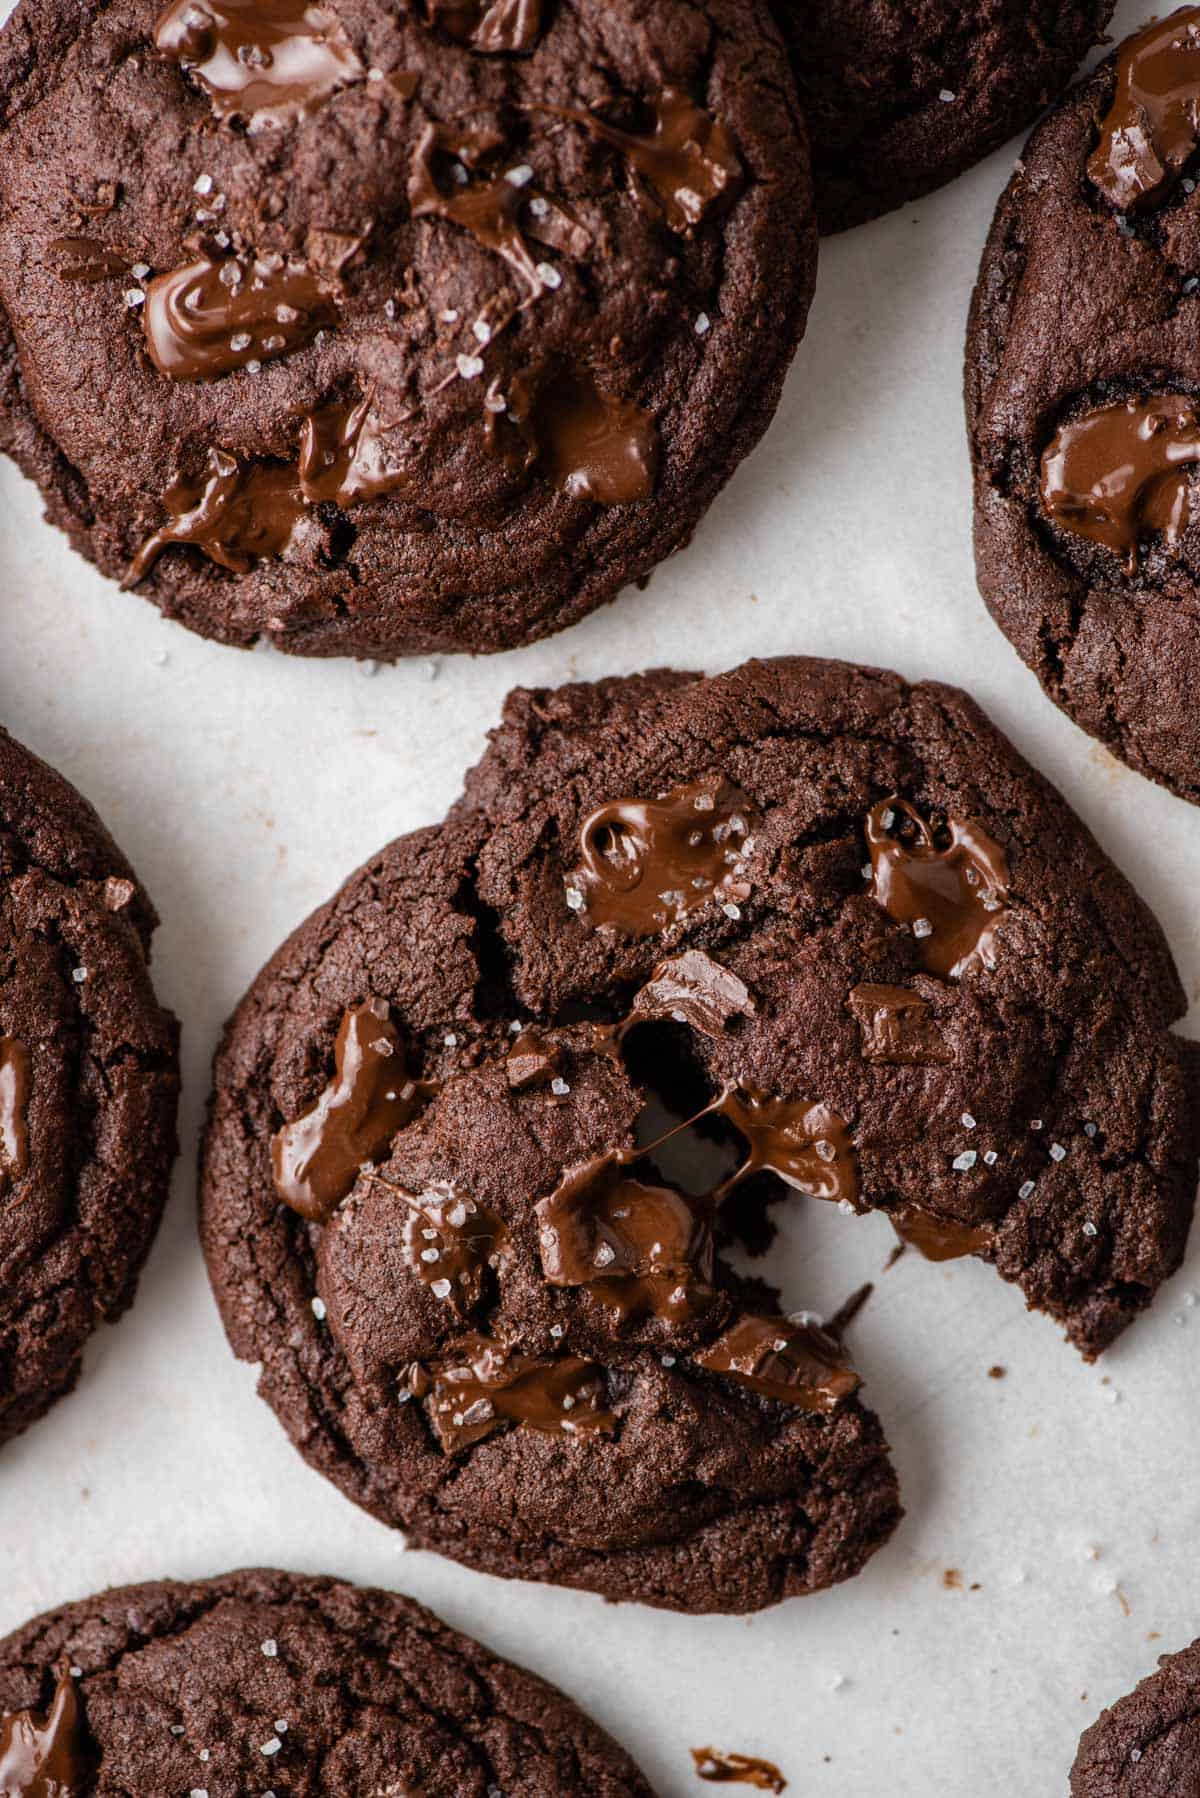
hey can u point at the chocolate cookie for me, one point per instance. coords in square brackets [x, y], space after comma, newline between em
[266, 1682]
[1147, 1745]
[88, 1084]
[901, 98]
[685, 947]
[380, 329]
[1083, 369]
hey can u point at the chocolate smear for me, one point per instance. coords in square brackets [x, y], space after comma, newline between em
[647, 863]
[269, 62]
[950, 884]
[1120, 472]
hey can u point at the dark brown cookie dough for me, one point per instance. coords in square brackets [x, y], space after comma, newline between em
[412, 328]
[900, 98]
[1083, 370]
[1147, 1745]
[263, 1682]
[907, 980]
[88, 1084]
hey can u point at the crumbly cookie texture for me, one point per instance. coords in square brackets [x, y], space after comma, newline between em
[88, 1084]
[1147, 1743]
[262, 1681]
[376, 331]
[686, 948]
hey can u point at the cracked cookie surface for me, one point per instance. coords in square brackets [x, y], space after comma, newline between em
[88, 1084]
[685, 948]
[1082, 377]
[433, 345]
[901, 98]
[263, 1681]
[1147, 1745]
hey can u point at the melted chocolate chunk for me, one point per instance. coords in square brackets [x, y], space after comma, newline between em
[486, 205]
[479, 1386]
[897, 1027]
[1153, 125]
[794, 1363]
[950, 885]
[738, 1769]
[938, 1238]
[316, 1158]
[265, 61]
[209, 317]
[496, 27]
[806, 1145]
[687, 157]
[535, 1059]
[238, 515]
[449, 1243]
[15, 1080]
[693, 989]
[347, 455]
[1121, 471]
[83, 259]
[592, 445]
[641, 1250]
[42, 1756]
[646, 863]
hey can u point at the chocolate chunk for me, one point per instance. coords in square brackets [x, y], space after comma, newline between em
[268, 62]
[237, 515]
[807, 1145]
[449, 1243]
[693, 989]
[42, 1755]
[481, 1385]
[317, 1157]
[939, 1238]
[83, 259]
[496, 27]
[1153, 125]
[535, 1059]
[648, 863]
[897, 1027]
[211, 316]
[950, 884]
[642, 1250]
[686, 156]
[738, 1769]
[793, 1363]
[1117, 473]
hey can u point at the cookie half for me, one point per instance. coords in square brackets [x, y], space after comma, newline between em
[1147, 1745]
[1083, 370]
[900, 99]
[88, 1084]
[382, 330]
[264, 1681]
[685, 948]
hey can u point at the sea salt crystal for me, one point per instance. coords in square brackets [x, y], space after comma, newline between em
[319, 1310]
[703, 324]
[440, 1289]
[548, 275]
[922, 927]
[1057, 1152]
[962, 1163]
[519, 176]
[469, 366]
[1024, 1191]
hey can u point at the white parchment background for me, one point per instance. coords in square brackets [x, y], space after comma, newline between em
[245, 786]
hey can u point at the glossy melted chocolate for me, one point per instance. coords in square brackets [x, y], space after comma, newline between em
[349, 456]
[15, 1082]
[951, 892]
[687, 157]
[592, 445]
[238, 515]
[642, 1250]
[646, 863]
[693, 989]
[496, 27]
[1153, 125]
[266, 61]
[42, 1756]
[479, 1386]
[1122, 471]
[738, 1769]
[938, 1238]
[316, 1158]
[212, 316]
[807, 1146]
[794, 1363]
[486, 205]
